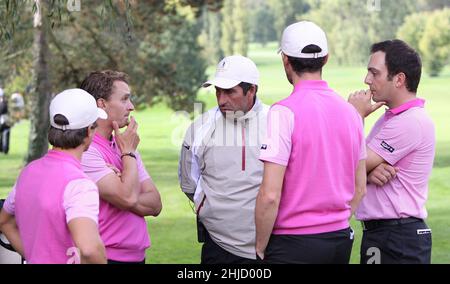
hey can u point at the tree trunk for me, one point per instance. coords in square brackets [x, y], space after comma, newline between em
[40, 95]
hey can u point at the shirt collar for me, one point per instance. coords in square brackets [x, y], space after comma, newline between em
[404, 107]
[60, 155]
[103, 141]
[311, 84]
[257, 106]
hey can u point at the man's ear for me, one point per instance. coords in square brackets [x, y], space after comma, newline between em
[101, 103]
[91, 131]
[400, 80]
[326, 59]
[285, 60]
[252, 90]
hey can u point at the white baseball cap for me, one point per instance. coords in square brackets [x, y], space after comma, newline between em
[233, 70]
[78, 106]
[299, 35]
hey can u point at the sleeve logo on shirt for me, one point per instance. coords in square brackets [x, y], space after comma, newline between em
[263, 147]
[387, 147]
[424, 231]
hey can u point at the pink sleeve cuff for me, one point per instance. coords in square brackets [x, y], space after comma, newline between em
[81, 199]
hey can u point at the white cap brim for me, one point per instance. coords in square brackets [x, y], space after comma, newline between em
[222, 83]
[102, 114]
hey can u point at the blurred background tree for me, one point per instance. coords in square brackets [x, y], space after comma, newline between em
[53, 48]
[211, 35]
[227, 27]
[240, 18]
[429, 33]
[286, 12]
[234, 27]
[261, 23]
[435, 43]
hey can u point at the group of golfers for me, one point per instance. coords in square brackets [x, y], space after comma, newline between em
[270, 184]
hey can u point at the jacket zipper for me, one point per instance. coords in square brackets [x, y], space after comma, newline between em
[243, 147]
[201, 205]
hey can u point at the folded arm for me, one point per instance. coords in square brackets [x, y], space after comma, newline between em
[149, 200]
[121, 191]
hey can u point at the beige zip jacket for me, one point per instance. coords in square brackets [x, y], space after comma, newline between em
[221, 172]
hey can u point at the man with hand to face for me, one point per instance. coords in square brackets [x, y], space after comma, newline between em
[127, 191]
[400, 154]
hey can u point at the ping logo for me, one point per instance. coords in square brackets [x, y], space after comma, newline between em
[263, 147]
[387, 147]
[424, 232]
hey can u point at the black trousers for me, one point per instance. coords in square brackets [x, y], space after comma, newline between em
[397, 244]
[214, 254]
[326, 248]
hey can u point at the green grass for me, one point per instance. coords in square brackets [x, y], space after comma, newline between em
[173, 233]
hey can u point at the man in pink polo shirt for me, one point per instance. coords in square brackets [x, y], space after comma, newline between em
[127, 192]
[314, 162]
[400, 154]
[51, 215]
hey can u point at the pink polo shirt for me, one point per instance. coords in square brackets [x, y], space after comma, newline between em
[405, 138]
[319, 137]
[124, 233]
[49, 193]
[80, 199]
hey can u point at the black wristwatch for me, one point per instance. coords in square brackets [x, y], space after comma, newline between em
[131, 154]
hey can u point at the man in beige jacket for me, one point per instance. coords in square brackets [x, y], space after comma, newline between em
[219, 167]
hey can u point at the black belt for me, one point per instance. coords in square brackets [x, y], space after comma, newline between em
[373, 224]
